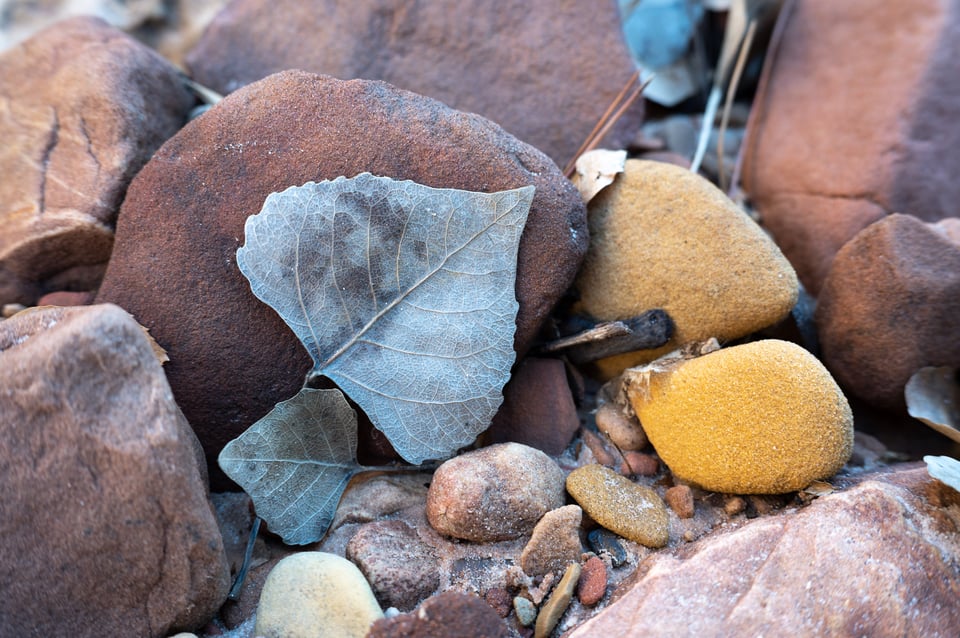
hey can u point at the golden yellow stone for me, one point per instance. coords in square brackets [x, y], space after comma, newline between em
[760, 418]
[663, 237]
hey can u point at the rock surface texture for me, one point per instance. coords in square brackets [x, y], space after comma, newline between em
[890, 306]
[494, 493]
[829, 151]
[760, 418]
[402, 570]
[877, 560]
[231, 357]
[82, 107]
[106, 524]
[663, 237]
[532, 67]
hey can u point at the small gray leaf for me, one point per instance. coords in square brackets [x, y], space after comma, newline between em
[402, 294]
[296, 461]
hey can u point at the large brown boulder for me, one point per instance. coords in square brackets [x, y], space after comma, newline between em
[174, 266]
[82, 108]
[106, 526]
[877, 559]
[890, 306]
[855, 124]
[544, 70]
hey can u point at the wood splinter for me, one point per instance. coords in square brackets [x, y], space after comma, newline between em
[652, 329]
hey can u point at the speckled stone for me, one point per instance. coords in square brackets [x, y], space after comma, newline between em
[663, 237]
[759, 418]
[620, 505]
[680, 500]
[311, 594]
[402, 570]
[593, 582]
[555, 542]
[494, 493]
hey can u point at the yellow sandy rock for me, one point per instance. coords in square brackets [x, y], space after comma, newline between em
[760, 418]
[663, 237]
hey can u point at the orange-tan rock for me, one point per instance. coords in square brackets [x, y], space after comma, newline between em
[633, 511]
[760, 418]
[663, 237]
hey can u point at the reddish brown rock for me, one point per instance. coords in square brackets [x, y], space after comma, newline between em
[106, 525]
[680, 500]
[593, 582]
[872, 559]
[639, 464]
[401, 569]
[444, 615]
[538, 408]
[494, 493]
[891, 305]
[829, 153]
[231, 357]
[82, 108]
[542, 70]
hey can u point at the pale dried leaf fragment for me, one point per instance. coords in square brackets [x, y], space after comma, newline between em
[296, 462]
[944, 468]
[595, 170]
[933, 396]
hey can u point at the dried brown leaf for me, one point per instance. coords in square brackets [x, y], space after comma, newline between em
[933, 396]
[596, 170]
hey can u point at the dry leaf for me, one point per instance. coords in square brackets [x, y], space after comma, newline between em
[596, 170]
[296, 461]
[403, 295]
[933, 396]
[944, 468]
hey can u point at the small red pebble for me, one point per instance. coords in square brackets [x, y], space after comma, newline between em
[680, 500]
[593, 582]
[639, 464]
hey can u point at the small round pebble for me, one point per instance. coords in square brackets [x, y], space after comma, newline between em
[495, 493]
[680, 500]
[625, 433]
[558, 602]
[555, 542]
[312, 594]
[526, 611]
[734, 505]
[593, 582]
[633, 511]
[605, 543]
[639, 464]
[759, 418]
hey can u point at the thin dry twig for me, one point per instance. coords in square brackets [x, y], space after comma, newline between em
[625, 98]
[731, 92]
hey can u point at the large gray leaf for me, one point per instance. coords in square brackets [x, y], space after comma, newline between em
[401, 293]
[296, 461]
